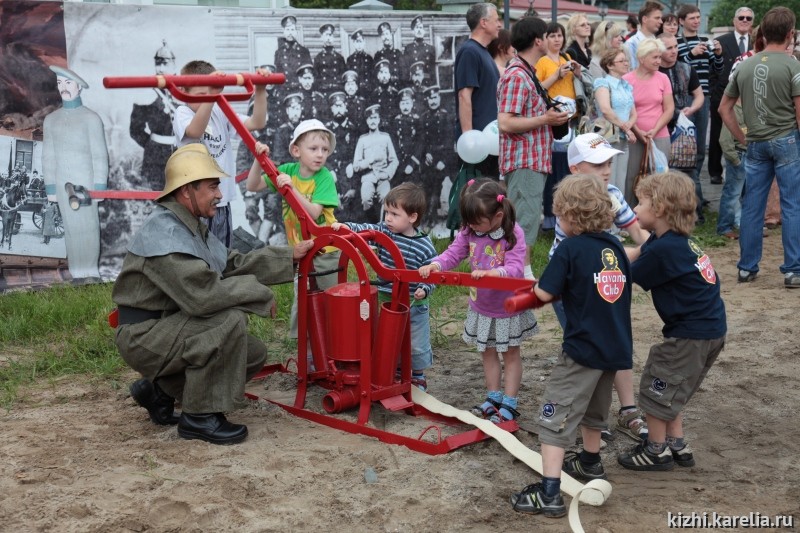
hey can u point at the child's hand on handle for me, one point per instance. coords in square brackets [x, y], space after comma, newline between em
[525, 299]
[216, 90]
[262, 148]
[336, 226]
[419, 294]
[478, 274]
[425, 271]
[261, 71]
[284, 180]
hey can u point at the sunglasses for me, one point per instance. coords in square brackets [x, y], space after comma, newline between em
[745, 19]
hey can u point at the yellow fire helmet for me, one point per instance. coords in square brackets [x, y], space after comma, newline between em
[189, 163]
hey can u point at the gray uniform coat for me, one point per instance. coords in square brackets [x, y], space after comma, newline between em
[199, 350]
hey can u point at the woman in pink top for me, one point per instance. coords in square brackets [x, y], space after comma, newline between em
[652, 98]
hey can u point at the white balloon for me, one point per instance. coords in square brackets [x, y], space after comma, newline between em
[472, 147]
[492, 134]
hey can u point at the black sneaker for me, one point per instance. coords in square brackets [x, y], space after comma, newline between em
[531, 500]
[573, 466]
[640, 458]
[746, 276]
[791, 280]
[683, 457]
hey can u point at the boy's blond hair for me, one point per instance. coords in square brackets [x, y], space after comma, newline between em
[672, 197]
[583, 200]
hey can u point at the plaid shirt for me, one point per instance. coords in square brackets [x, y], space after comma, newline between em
[516, 94]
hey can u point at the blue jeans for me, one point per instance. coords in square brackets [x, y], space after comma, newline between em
[421, 353]
[765, 160]
[730, 202]
[700, 119]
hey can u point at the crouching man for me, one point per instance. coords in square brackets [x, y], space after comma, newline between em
[184, 300]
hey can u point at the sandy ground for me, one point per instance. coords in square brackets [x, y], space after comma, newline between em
[81, 456]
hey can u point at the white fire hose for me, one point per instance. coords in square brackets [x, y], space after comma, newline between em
[596, 492]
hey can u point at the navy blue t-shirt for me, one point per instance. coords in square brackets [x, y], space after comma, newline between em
[475, 68]
[684, 285]
[591, 273]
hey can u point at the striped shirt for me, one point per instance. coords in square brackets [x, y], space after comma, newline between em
[702, 64]
[517, 95]
[416, 251]
[623, 216]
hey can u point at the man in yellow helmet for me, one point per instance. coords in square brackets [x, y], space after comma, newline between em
[184, 301]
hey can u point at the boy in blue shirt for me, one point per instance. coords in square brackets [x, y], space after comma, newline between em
[686, 295]
[403, 208]
[589, 271]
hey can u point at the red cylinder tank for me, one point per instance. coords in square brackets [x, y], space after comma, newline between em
[345, 310]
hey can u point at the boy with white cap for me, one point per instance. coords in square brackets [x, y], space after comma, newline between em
[315, 186]
[592, 154]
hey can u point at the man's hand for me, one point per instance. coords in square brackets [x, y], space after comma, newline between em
[699, 49]
[554, 117]
[301, 249]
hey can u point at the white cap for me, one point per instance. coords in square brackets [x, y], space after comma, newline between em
[313, 125]
[590, 147]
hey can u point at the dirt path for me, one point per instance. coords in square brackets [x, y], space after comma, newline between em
[81, 456]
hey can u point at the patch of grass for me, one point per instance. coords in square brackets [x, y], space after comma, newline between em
[54, 332]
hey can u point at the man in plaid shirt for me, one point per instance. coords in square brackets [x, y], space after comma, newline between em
[525, 135]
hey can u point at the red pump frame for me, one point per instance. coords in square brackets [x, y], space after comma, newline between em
[355, 249]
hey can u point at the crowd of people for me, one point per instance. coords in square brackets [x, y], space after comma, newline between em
[548, 172]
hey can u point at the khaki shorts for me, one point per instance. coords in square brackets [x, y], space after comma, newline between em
[525, 188]
[575, 395]
[673, 372]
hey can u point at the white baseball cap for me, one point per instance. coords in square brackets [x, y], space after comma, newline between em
[590, 147]
[313, 125]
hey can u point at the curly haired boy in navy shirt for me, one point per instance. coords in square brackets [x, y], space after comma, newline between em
[686, 295]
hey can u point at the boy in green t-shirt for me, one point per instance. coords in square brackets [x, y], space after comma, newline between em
[314, 184]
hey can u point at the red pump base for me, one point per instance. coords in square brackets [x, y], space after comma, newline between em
[440, 446]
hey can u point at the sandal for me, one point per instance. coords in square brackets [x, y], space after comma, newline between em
[633, 425]
[486, 410]
[504, 414]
